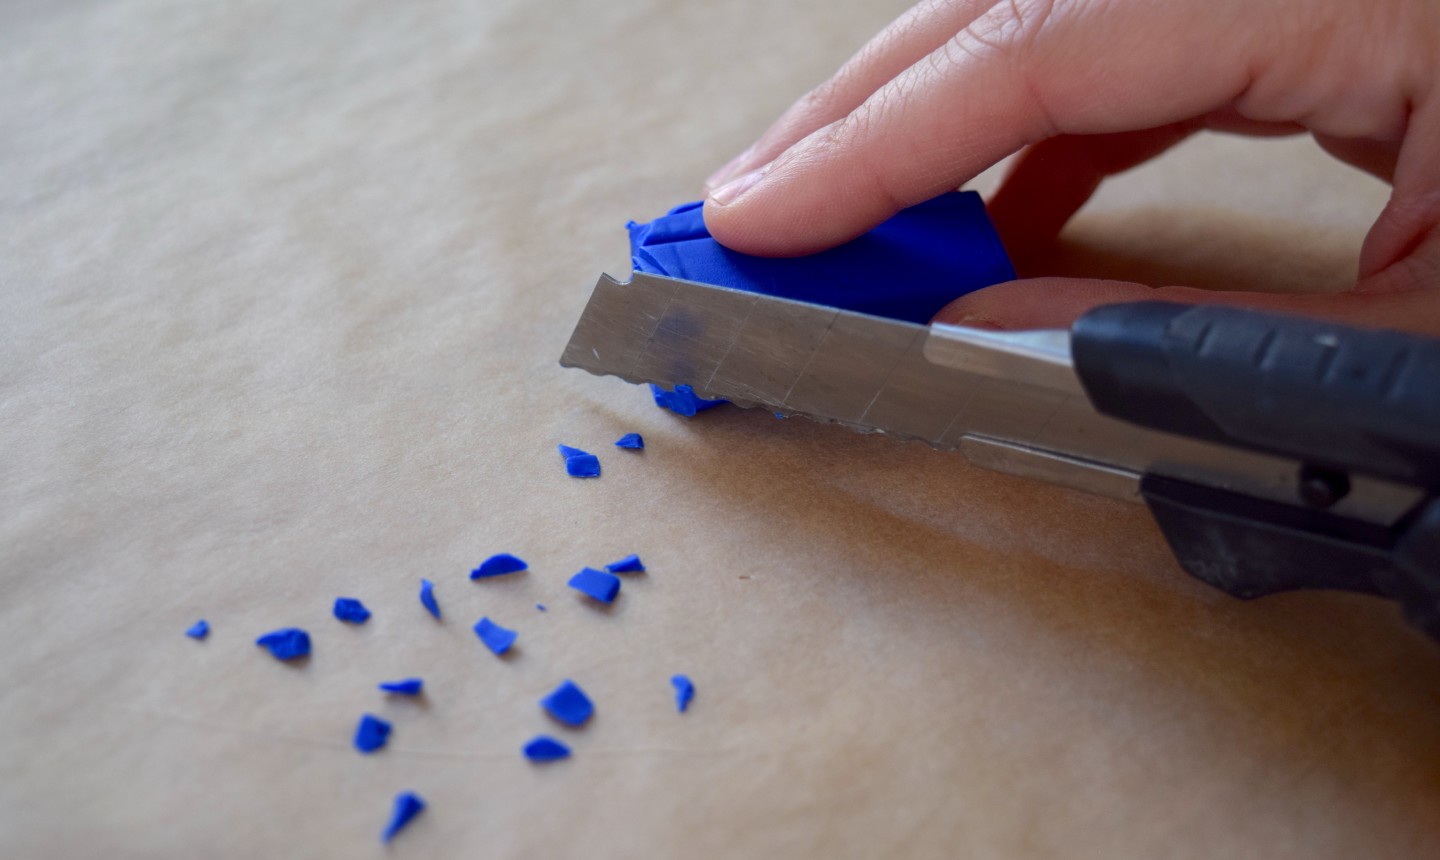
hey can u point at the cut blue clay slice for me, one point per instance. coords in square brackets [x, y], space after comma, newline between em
[632, 441]
[427, 598]
[371, 734]
[199, 630]
[496, 638]
[598, 584]
[629, 564]
[286, 644]
[408, 804]
[351, 611]
[498, 565]
[568, 704]
[908, 268]
[682, 401]
[540, 606]
[546, 748]
[406, 687]
[684, 692]
[566, 452]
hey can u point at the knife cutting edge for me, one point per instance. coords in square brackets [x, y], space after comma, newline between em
[1275, 452]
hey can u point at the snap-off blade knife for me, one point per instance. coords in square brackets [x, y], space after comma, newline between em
[1275, 452]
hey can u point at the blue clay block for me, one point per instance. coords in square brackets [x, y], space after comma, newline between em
[371, 734]
[546, 748]
[406, 687]
[633, 441]
[583, 466]
[568, 704]
[427, 598]
[629, 564]
[684, 692]
[495, 637]
[498, 565]
[682, 401]
[408, 804]
[351, 611]
[199, 630]
[597, 584]
[907, 268]
[286, 644]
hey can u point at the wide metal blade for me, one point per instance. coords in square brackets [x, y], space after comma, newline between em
[865, 372]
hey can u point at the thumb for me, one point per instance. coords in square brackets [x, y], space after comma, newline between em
[1057, 302]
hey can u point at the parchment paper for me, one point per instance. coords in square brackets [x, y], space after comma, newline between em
[282, 290]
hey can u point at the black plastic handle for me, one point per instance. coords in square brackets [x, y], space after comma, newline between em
[1335, 396]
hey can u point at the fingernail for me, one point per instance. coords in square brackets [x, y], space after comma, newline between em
[724, 173]
[980, 323]
[731, 191]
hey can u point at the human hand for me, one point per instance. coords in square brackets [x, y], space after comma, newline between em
[1092, 88]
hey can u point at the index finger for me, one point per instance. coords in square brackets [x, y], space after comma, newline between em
[1022, 72]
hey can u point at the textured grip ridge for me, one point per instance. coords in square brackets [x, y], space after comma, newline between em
[1346, 398]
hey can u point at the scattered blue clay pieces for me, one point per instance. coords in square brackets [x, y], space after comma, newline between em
[629, 564]
[199, 630]
[568, 704]
[286, 644]
[495, 637]
[632, 441]
[408, 804]
[406, 687]
[682, 401]
[351, 611]
[598, 584]
[545, 748]
[498, 565]
[371, 734]
[427, 598]
[684, 692]
[580, 464]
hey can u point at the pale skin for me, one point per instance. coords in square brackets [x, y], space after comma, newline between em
[1084, 89]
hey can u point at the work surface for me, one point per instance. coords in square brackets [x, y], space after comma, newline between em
[282, 290]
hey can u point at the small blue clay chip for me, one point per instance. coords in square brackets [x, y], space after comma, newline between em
[404, 687]
[545, 748]
[496, 638]
[580, 464]
[684, 692]
[596, 584]
[583, 466]
[351, 611]
[629, 564]
[199, 630]
[286, 644]
[568, 704]
[408, 804]
[371, 734]
[498, 565]
[632, 441]
[427, 598]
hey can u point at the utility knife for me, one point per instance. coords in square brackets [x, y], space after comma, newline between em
[1275, 452]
